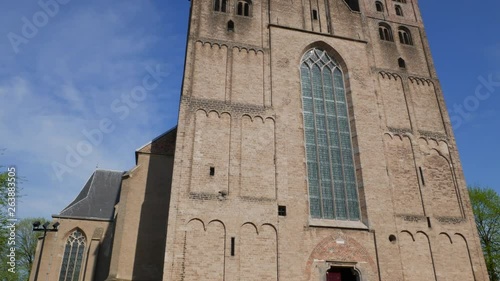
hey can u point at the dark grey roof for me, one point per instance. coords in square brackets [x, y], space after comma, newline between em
[97, 198]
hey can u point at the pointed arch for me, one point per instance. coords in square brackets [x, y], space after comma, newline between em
[332, 185]
[401, 63]
[73, 256]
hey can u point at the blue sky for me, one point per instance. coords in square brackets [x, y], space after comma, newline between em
[83, 71]
[465, 44]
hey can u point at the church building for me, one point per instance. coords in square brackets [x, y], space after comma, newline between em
[313, 144]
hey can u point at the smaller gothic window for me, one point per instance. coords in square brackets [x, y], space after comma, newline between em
[379, 6]
[402, 63]
[385, 32]
[220, 6]
[230, 26]
[244, 8]
[399, 11]
[405, 36]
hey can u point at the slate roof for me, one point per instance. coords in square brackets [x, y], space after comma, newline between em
[98, 197]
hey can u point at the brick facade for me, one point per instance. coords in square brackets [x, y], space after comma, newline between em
[241, 118]
[202, 202]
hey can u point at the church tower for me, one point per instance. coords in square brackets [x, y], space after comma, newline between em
[313, 143]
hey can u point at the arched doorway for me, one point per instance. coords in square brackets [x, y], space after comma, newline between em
[342, 274]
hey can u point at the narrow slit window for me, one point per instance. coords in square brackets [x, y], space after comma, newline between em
[212, 171]
[240, 8]
[246, 10]
[233, 242]
[422, 175]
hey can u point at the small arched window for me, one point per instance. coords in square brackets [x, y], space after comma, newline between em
[379, 6]
[400, 1]
[315, 14]
[221, 6]
[244, 8]
[401, 63]
[73, 257]
[385, 32]
[405, 36]
[399, 10]
[230, 26]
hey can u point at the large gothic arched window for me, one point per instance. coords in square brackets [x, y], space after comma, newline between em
[330, 162]
[73, 256]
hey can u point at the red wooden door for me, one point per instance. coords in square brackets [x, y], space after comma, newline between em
[333, 276]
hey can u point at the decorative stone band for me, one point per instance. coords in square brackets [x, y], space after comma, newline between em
[451, 220]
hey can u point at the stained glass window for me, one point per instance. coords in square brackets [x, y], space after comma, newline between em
[330, 164]
[73, 257]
